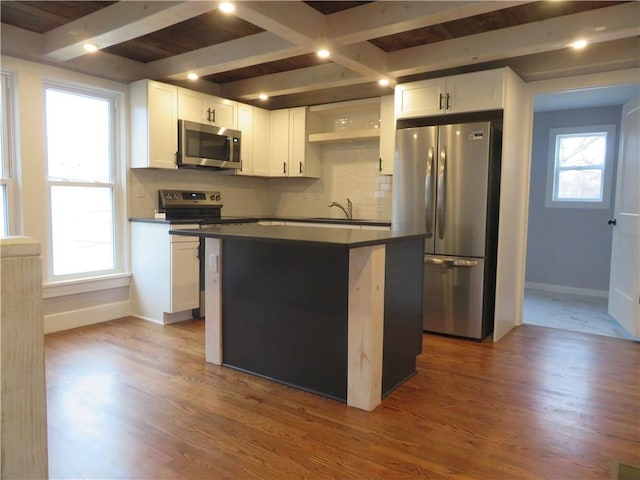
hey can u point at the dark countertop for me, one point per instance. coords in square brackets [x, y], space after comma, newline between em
[317, 236]
[223, 220]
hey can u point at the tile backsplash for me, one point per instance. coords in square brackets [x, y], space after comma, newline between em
[349, 170]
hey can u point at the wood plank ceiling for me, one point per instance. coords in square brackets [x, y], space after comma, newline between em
[269, 46]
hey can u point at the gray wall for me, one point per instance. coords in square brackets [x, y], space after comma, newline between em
[570, 247]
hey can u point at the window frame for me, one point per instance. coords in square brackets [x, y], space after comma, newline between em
[552, 173]
[116, 183]
[9, 154]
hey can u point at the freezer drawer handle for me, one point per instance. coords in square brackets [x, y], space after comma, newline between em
[451, 262]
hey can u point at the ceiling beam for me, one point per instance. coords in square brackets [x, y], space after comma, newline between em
[306, 27]
[243, 52]
[620, 21]
[115, 24]
[285, 83]
[378, 19]
[20, 43]
[293, 21]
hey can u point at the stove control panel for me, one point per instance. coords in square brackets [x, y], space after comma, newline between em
[184, 198]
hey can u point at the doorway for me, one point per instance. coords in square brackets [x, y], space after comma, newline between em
[569, 243]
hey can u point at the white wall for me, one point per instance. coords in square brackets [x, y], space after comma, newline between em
[61, 308]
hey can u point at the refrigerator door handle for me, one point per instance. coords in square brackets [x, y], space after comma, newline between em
[451, 262]
[442, 192]
[428, 197]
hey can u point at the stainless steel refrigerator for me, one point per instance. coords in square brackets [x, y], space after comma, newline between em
[446, 178]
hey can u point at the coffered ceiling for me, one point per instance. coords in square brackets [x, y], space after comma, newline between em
[269, 46]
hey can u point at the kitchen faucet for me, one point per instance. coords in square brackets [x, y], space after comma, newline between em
[347, 211]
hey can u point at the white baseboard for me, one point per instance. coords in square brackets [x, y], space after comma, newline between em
[86, 316]
[548, 287]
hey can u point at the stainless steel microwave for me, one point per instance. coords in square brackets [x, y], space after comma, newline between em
[201, 145]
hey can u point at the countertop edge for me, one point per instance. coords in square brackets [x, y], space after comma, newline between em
[233, 234]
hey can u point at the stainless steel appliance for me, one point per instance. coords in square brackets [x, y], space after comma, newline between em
[446, 179]
[201, 145]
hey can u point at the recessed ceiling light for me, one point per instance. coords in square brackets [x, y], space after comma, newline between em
[227, 7]
[192, 76]
[578, 44]
[384, 82]
[323, 53]
[90, 47]
[263, 96]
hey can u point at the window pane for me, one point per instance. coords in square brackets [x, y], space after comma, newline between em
[580, 185]
[78, 137]
[4, 228]
[581, 150]
[82, 229]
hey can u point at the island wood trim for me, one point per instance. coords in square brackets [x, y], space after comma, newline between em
[213, 300]
[366, 324]
[23, 427]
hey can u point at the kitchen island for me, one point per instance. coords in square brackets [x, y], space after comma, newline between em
[331, 311]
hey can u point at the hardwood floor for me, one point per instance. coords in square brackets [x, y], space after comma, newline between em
[131, 399]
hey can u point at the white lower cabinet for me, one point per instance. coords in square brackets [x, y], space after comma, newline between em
[166, 278]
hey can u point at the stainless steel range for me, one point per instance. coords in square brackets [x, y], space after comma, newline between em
[201, 207]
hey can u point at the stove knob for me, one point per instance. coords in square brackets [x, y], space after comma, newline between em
[218, 197]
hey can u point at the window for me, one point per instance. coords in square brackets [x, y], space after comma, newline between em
[7, 224]
[82, 177]
[580, 164]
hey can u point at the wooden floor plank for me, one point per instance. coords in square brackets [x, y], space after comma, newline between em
[131, 399]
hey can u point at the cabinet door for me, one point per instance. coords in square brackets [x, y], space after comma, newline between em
[279, 147]
[192, 106]
[297, 141]
[475, 92]
[154, 124]
[418, 99]
[245, 125]
[261, 141]
[387, 135]
[185, 276]
[222, 112]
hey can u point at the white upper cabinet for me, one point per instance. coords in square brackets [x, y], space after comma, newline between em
[202, 108]
[471, 92]
[254, 123]
[290, 154]
[154, 124]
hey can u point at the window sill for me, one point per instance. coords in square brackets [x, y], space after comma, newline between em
[85, 285]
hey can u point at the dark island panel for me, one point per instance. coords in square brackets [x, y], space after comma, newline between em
[285, 313]
[402, 312]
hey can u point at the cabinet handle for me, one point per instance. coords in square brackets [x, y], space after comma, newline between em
[448, 101]
[214, 114]
[301, 168]
[208, 114]
[379, 164]
[284, 167]
[440, 102]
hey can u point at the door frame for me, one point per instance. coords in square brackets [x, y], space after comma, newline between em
[581, 82]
